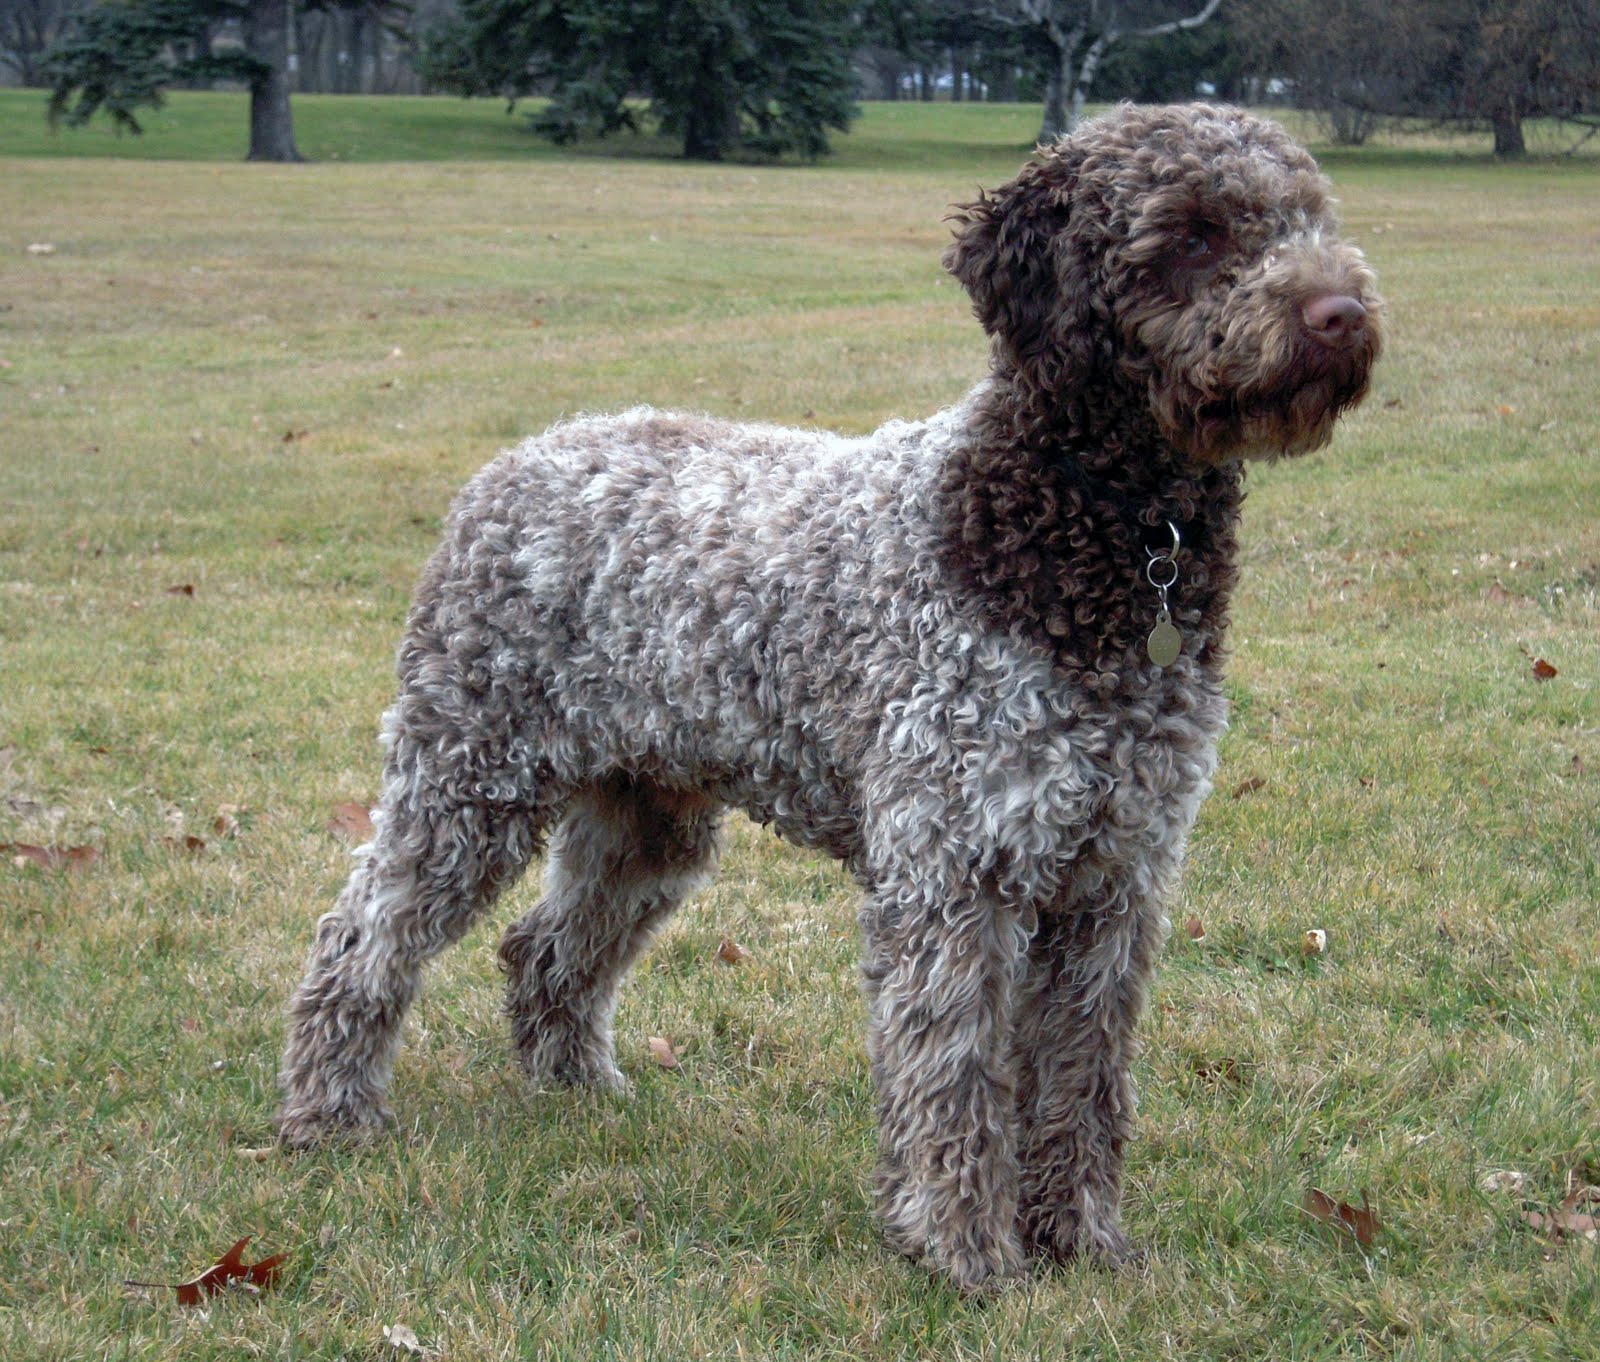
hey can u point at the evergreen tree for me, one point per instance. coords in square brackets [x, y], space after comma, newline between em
[122, 55]
[763, 76]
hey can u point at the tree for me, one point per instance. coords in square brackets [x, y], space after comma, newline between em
[1503, 61]
[28, 29]
[1077, 34]
[764, 76]
[1477, 63]
[124, 54]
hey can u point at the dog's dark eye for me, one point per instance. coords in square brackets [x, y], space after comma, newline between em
[1195, 246]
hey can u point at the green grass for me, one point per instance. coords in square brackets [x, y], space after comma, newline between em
[1424, 801]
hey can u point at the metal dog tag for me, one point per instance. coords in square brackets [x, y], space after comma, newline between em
[1165, 642]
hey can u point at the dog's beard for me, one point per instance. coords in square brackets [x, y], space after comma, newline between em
[1291, 411]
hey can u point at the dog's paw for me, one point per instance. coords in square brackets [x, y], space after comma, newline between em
[318, 1128]
[978, 1268]
[1070, 1239]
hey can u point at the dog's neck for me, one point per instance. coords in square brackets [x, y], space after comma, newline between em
[1051, 524]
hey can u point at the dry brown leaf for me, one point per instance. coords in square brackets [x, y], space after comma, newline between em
[1194, 929]
[1362, 1223]
[662, 1052]
[1314, 942]
[182, 589]
[1224, 1070]
[1543, 671]
[351, 820]
[49, 858]
[189, 843]
[1570, 1220]
[730, 951]
[226, 823]
[228, 1270]
[1249, 786]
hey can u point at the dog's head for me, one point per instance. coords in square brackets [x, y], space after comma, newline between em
[1188, 259]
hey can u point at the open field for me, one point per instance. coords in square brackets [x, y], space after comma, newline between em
[234, 403]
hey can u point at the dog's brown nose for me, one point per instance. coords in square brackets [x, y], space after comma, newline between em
[1334, 318]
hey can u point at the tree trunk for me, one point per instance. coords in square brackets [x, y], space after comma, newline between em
[712, 127]
[266, 38]
[1508, 143]
[1086, 72]
[1055, 96]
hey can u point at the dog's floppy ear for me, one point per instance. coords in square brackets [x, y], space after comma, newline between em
[1015, 256]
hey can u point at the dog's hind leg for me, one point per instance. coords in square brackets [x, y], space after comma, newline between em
[624, 857]
[440, 853]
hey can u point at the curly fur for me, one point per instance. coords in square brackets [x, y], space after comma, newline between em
[921, 651]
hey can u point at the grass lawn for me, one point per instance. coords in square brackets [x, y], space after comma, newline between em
[234, 403]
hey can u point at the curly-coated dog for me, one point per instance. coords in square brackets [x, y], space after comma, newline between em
[977, 658]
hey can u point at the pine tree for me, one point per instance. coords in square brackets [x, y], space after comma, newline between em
[767, 77]
[124, 54]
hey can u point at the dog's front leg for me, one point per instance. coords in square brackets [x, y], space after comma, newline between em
[938, 978]
[1077, 1005]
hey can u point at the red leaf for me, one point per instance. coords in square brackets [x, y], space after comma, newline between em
[1194, 928]
[730, 951]
[1362, 1224]
[351, 820]
[1542, 670]
[227, 1270]
[186, 843]
[1568, 1222]
[49, 858]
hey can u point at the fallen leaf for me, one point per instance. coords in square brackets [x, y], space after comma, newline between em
[1362, 1223]
[189, 843]
[1314, 942]
[226, 823]
[1249, 786]
[1504, 1180]
[730, 951]
[258, 1155]
[291, 435]
[1194, 928]
[1224, 1070]
[49, 858]
[1506, 409]
[403, 1340]
[351, 820]
[662, 1052]
[1542, 670]
[225, 1272]
[182, 589]
[1569, 1220]
[1499, 595]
